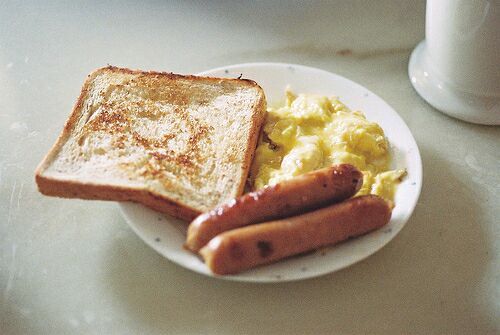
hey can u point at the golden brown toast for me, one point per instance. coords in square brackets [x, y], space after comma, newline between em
[178, 144]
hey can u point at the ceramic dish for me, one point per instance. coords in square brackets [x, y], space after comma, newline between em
[166, 235]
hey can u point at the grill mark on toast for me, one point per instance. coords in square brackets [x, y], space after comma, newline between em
[117, 119]
[112, 119]
[112, 122]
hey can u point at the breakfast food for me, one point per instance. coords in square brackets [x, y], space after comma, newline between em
[310, 132]
[291, 197]
[244, 248]
[179, 144]
[185, 145]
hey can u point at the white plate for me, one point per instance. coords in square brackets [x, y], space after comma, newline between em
[166, 235]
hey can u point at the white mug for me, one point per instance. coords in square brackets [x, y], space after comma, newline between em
[457, 68]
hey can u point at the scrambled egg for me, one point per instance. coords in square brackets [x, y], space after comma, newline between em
[311, 132]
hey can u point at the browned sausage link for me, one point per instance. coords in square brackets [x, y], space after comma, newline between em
[247, 247]
[295, 196]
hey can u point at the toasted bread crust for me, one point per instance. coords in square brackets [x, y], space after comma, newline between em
[68, 127]
[257, 123]
[170, 75]
[68, 188]
[77, 190]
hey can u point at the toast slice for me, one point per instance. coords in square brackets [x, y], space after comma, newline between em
[178, 144]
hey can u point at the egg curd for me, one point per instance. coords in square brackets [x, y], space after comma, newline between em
[311, 132]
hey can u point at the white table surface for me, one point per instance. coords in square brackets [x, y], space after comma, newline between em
[75, 267]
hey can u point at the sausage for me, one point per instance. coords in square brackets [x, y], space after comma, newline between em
[244, 248]
[291, 197]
